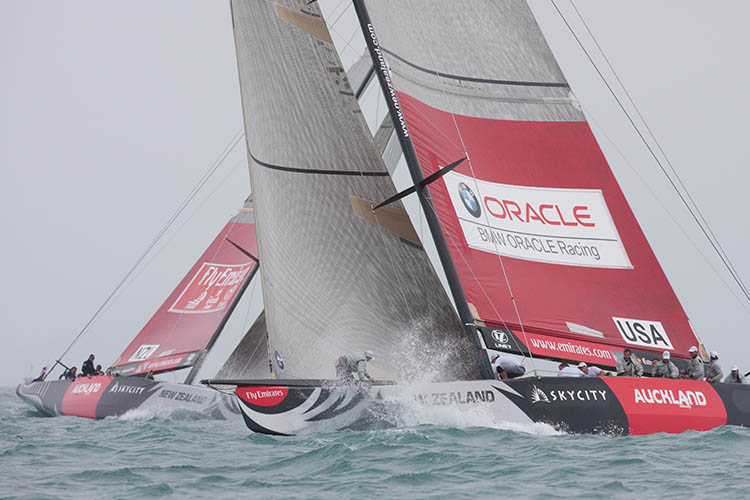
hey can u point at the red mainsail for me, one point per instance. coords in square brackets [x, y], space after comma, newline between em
[190, 316]
[544, 243]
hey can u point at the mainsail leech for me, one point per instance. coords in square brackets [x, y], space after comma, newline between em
[536, 204]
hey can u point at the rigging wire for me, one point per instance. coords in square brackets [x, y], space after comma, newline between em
[214, 166]
[702, 225]
[497, 250]
[242, 162]
[590, 115]
[658, 145]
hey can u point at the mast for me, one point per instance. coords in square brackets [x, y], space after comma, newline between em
[334, 280]
[394, 109]
[537, 225]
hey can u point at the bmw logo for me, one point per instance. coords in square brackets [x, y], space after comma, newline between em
[469, 199]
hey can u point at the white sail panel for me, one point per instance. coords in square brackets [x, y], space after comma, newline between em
[333, 282]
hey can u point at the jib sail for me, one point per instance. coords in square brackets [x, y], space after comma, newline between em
[250, 358]
[545, 246]
[194, 312]
[336, 280]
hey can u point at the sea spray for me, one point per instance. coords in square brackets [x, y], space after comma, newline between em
[425, 353]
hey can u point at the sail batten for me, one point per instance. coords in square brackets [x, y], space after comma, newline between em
[333, 281]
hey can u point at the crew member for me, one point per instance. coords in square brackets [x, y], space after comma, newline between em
[735, 377]
[99, 370]
[629, 367]
[69, 374]
[346, 365]
[40, 378]
[695, 370]
[507, 367]
[665, 369]
[589, 371]
[568, 371]
[88, 370]
[714, 373]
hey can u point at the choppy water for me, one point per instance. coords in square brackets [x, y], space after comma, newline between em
[184, 456]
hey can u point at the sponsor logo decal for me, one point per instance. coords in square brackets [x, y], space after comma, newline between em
[386, 73]
[127, 389]
[564, 395]
[500, 339]
[187, 397]
[86, 389]
[262, 396]
[538, 395]
[683, 399]
[571, 349]
[643, 333]
[455, 398]
[143, 352]
[161, 364]
[554, 225]
[212, 288]
[469, 199]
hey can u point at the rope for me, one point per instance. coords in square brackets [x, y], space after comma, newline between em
[214, 166]
[497, 250]
[705, 229]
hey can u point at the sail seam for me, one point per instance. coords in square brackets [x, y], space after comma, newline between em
[476, 186]
[317, 171]
[516, 83]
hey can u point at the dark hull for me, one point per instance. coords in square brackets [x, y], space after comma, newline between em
[106, 396]
[609, 405]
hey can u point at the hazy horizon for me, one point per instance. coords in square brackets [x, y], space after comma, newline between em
[114, 111]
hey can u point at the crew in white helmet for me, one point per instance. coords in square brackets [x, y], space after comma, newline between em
[347, 365]
[589, 371]
[665, 368]
[694, 370]
[735, 377]
[569, 371]
[714, 373]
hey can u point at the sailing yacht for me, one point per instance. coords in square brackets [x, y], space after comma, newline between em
[543, 256]
[177, 337]
[181, 334]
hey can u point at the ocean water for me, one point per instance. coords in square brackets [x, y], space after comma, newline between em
[181, 455]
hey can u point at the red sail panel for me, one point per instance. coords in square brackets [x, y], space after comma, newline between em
[540, 196]
[185, 322]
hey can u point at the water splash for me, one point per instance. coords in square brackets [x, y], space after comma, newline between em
[424, 354]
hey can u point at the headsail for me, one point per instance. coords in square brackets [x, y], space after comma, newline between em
[250, 358]
[333, 281]
[546, 247]
[190, 317]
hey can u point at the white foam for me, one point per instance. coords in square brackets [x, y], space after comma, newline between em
[163, 413]
[414, 413]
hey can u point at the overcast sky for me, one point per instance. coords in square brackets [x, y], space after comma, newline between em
[111, 112]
